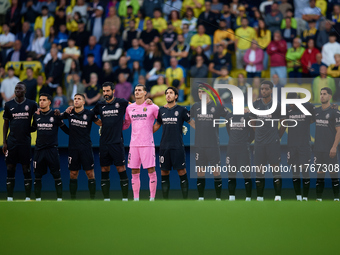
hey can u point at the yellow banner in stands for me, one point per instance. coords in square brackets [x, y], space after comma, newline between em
[34, 135]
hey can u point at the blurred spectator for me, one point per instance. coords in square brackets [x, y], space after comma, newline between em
[289, 14]
[308, 58]
[216, 7]
[171, 5]
[322, 5]
[112, 19]
[226, 15]
[168, 43]
[4, 6]
[97, 22]
[128, 17]
[315, 70]
[81, 36]
[224, 78]
[199, 52]
[112, 53]
[234, 7]
[136, 53]
[242, 84]
[61, 38]
[174, 72]
[240, 15]
[263, 37]
[200, 70]
[59, 99]
[42, 87]
[289, 33]
[256, 88]
[257, 17]
[54, 70]
[31, 84]
[124, 5]
[333, 70]
[208, 18]
[51, 5]
[50, 39]
[29, 13]
[44, 22]
[92, 8]
[176, 22]
[6, 42]
[224, 36]
[123, 68]
[149, 35]
[244, 36]
[80, 7]
[293, 57]
[311, 12]
[201, 40]
[196, 5]
[284, 6]
[13, 17]
[254, 60]
[104, 39]
[277, 50]
[141, 20]
[95, 49]
[310, 33]
[91, 67]
[48, 56]
[18, 53]
[158, 22]
[189, 19]
[220, 59]
[277, 84]
[151, 55]
[329, 49]
[37, 50]
[150, 5]
[70, 53]
[181, 51]
[157, 92]
[323, 35]
[265, 7]
[123, 88]
[274, 18]
[107, 73]
[25, 36]
[72, 22]
[60, 19]
[137, 70]
[320, 82]
[75, 87]
[154, 73]
[8, 86]
[74, 68]
[129, 34]
[92, 91]
[299, 7]
[187, 33]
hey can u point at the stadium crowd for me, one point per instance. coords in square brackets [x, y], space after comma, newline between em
[66, 47]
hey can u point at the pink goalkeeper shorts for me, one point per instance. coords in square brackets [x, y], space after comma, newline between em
[145, 155]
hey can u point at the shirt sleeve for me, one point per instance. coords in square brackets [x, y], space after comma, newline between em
[337, 118]
[7, 114]
[159, 118]
[94, 116]
[186, 115]
[155, 112]
[127, 120]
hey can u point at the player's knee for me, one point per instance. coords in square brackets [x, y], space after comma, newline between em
[90, 174]
[164, 172]
[56, 176]
[26, 169]
[74, 174]
[181, 172]
[120, 169]
[106, 168]
[151, 170]
[10, 171]
[135, 171]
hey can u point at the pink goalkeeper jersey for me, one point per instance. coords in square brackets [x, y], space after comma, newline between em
[142, 118]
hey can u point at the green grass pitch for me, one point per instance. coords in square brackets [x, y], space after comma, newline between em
[169, 227]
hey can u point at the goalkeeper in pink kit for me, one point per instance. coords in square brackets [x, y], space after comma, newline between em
[141, 116]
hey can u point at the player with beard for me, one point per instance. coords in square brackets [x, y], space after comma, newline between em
[141, 116]
[18, 114]
[171, 149]
[207, 143]
[238, 153]
[327, 138]
[267, 140]
[80, 146]
[46, 147]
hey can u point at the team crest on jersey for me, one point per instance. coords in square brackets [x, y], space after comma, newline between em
[51, 119]
[27, 107]
[212, 109]
[327, 116]
[176, 113]
[145, 109]
[117, 105]
[84, 117]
